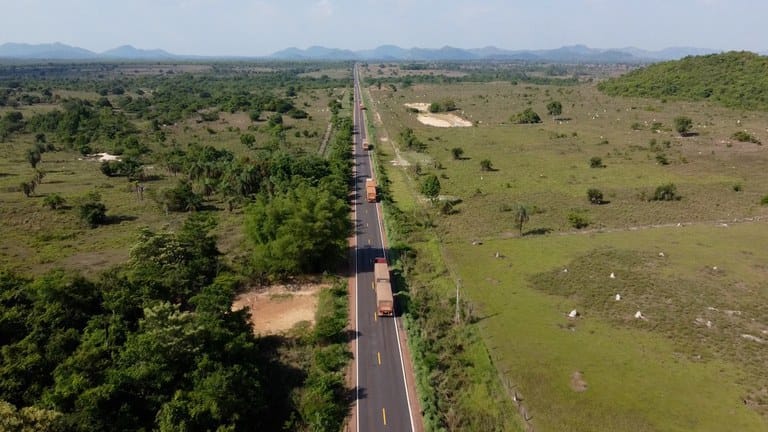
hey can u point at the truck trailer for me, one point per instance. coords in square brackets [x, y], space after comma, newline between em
[370, 190]
[385, 304]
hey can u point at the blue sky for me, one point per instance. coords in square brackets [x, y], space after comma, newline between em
[260, 27]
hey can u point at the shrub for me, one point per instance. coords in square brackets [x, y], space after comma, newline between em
[661, 159]
[596, 162]
[743, 136]
[528, 116]
[667, 192]
[91, 210]
[683, 125]
[457, 152]
[764, 201]
[53, 201]
[486, 165]
[578, 220]
[595, 196]
[430, 187]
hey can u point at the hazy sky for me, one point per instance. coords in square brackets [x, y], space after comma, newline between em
[260, 27]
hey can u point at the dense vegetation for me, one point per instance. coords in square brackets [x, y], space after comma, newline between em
[733, 79]
[152, 343]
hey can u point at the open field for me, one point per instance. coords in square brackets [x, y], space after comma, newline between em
[683, 366]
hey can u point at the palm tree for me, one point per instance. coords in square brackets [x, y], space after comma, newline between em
[521, 217]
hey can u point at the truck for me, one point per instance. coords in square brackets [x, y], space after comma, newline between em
[362, 107]
[370, 190]
[385, 303]
[366, 146]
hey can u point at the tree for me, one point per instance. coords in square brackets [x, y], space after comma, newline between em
[596, 162]
[595, 196]
[300, 230]
[486, 165]
[683, 125]
[555, 108]
[33, 157]
[521, 217]
[528, 116]
[430, 187]
[457, 152]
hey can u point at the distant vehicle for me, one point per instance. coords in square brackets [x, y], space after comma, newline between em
[362, 107]
[370, 190]
[366, 146]
[385, 304]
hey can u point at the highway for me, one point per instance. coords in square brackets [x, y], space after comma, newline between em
[383, 402]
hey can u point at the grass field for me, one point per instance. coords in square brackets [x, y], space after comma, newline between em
[684, 366]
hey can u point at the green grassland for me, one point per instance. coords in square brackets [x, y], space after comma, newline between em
[669, 371]
[36, 239]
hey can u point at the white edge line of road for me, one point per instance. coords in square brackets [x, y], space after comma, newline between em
[394, 319]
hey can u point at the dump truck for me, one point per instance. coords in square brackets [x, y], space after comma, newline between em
[370, 190]
[385, 304]
[366, 146]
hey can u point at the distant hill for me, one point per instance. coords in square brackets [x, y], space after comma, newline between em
[129, 52]
[54, 51]
[566, 54]
[60, 51]
[569, 54]
[733, 79]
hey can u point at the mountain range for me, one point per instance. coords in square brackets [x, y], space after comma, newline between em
[566, 54]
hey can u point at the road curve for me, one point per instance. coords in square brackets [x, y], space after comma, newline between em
[382, 398]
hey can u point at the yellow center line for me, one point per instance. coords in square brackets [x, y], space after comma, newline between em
[369, 241]
[373, 286]
[378, 354]
[384, 415]
[375, 316]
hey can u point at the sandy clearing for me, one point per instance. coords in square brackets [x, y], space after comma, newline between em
[437, 119]
[278, 308]
[443, 120]
[102, 157]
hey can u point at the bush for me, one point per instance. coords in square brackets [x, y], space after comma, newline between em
[595, 196]
[743, 136]
[578, 220]
[667, 192]
[457, 152]
[180, 198]
[683, 125]
[91, 210]
[53, 201]
[661, 159]
[430, 187]
[528, 116]
[596, 162]
[486, 165]
[764, 201]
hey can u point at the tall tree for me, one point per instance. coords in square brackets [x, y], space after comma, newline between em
[555, 108]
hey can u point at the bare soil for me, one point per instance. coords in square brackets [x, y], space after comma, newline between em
[278, 308]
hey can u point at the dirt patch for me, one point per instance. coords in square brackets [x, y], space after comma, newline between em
[437, 119]
[278, 308]
[578, 384]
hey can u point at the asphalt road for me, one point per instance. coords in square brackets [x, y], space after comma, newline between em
[382, 397]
